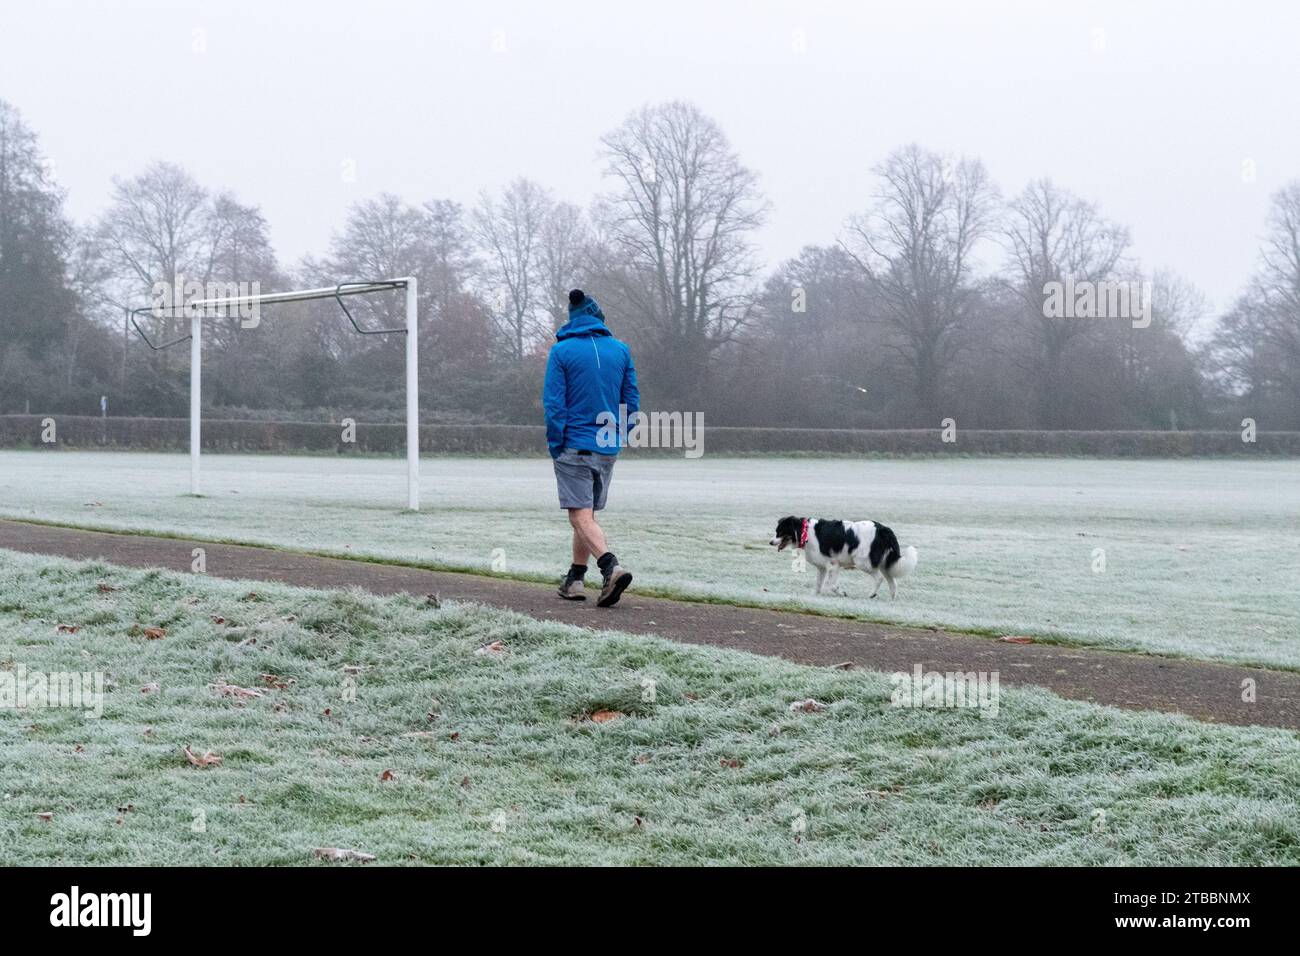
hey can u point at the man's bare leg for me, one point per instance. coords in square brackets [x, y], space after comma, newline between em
[588, 536]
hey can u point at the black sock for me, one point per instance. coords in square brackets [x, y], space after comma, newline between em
[577, 572]
[606, 562]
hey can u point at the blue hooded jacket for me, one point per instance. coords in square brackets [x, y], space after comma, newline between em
[588, 372]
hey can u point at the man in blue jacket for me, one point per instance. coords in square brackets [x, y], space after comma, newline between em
[589, 374]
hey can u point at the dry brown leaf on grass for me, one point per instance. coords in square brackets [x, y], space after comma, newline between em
[1015, 639]
[67, 629]
[230, 690]
[337, 853]
[496, 647]
[209, 759]
[732, 764]
[278, 682]
[45, 817]
[388, 775]
[154, 633]
[105, 588]
[808, 706]
[605, 716]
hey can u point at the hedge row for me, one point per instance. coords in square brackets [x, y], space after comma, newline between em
[172, 434]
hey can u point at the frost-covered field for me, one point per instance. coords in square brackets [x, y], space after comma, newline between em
[1201, 557]
[433, 753]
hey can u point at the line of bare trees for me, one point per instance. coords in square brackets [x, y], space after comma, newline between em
[928, 305]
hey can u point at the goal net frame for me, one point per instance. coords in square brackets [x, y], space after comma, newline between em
[199, 309]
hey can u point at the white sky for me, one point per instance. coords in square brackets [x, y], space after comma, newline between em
[1150, 108]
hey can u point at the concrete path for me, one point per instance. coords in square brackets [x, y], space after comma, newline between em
[1210, 692]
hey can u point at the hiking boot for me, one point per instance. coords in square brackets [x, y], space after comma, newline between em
[571, 590]
[616, 583]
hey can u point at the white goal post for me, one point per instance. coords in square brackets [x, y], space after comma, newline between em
[196, 309]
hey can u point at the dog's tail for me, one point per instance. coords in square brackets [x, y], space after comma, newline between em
[905, 564]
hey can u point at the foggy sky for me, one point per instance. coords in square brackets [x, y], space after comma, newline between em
[1150, 108]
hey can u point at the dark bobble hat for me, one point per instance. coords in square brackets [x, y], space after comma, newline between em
[576, 298]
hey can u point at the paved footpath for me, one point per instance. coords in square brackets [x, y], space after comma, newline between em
[1210, 692]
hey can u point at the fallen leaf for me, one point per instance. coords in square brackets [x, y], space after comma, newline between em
[335, 853]
[1015, 639]
[218, 619]
[67, 629]
[209, 759]
[230, 690]
[45, 817]
[278, 682]
[808, 706]
[732, 764]
[843, 666]
[605, 716]
[465, 782]
[388, 775]
[643, 758]
[433, 600]
[455, 736]
[155, 633]
[150, 688]
[105, 588]
[496, 647]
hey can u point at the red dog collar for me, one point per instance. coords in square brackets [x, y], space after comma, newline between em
[803, 534]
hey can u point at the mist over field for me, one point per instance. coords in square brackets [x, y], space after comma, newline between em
[843, 256]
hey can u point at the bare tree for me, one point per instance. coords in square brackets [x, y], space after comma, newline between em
[561, 258]
[1256, 346]
[510, 231]
[1051, 235]
[678, 229]
[915, 246]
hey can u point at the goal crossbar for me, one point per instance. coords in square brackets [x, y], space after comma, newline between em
[195, 311]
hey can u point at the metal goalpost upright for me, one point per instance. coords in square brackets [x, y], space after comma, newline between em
[199, 309]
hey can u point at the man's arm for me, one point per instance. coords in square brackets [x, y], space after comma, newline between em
[630, 394]
[554, 390]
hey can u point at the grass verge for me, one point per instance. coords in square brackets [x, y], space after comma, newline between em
[394, 734]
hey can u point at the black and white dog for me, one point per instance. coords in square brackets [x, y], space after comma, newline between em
[831, 545]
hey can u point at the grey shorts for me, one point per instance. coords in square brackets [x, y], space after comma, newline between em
[583, 479]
